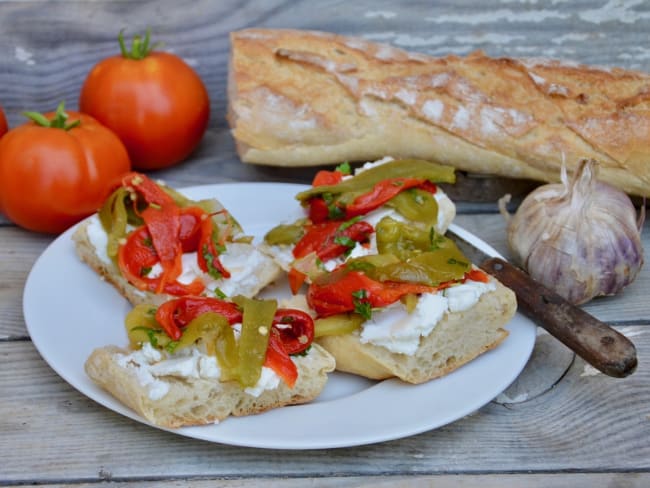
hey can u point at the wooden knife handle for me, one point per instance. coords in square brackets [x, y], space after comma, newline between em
[594, 341]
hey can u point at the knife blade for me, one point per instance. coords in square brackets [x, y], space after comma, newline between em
[597, 343]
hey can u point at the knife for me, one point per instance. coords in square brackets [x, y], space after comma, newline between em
[597, 343]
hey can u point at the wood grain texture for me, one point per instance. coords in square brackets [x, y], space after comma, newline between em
[577, 429]
[566, 429]
[563, 480]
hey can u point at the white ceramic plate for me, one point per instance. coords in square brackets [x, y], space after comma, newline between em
[69, 312]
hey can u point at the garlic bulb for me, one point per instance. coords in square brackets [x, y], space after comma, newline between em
[580, 238]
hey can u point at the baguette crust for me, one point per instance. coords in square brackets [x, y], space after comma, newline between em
[191, 401]
[301, 98]
[267, 272]
[458, 338]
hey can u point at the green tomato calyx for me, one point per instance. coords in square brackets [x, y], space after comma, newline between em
[59, 121]
[140, 46]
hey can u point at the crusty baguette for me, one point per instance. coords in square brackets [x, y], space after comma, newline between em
[204, 401]
[299, 98]
[267, 271]
[458, 338]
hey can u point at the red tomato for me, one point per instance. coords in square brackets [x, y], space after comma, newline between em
[154, 101]
[4, 127]
[52, 177]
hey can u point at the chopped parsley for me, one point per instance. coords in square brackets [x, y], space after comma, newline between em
[212, 270]
[145, 270]
[151, 334]
[345, 241]
[349, 223]
[361, 304]
[334, 212]
[219, 293]
[344, 168]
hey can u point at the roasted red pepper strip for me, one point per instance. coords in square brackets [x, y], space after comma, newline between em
[162, 218]
[190, 228]
[150, 191]
[296, 279]
[136, 258]
[318, 210]
[336, 296]
[477, 275]
[208, 255]
[381, 193]
[172, 231]
[292, 333]
[325, 177]
[296, 329]
[322, 238]
[279, 361]
[175, 314]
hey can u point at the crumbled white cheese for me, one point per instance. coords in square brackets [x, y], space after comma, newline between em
[373, 164]
[283, 254]
[241, 260]
[138, 362]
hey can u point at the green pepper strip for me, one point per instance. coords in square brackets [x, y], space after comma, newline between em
[113, 216]
[365, 181]
[254, 339]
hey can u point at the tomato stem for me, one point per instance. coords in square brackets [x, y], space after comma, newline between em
[57, 122]
[140, 47]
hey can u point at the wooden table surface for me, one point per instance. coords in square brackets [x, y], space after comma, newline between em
[560, 424]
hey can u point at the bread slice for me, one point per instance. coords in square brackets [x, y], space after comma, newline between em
[199, 401]
[299, 98]
[246, 279]
[457, 338]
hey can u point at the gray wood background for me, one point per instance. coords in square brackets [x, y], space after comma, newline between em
[559, 425]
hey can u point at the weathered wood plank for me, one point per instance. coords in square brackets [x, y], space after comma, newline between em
[586, 423]
[563, 480]
[587, 428]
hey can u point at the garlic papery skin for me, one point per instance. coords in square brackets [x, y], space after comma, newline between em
[580, 238]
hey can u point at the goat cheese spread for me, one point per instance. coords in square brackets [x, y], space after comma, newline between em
[151, 367]
[400, 332]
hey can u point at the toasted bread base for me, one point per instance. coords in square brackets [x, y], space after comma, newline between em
[267, 272]
[458, 338]
[192, 401]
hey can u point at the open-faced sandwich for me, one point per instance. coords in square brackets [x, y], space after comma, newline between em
[342, 211]
[416, 310]
[152, 243]
[198, 360]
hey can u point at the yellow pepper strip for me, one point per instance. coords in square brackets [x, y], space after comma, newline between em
[141, 327]
[337, 324]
